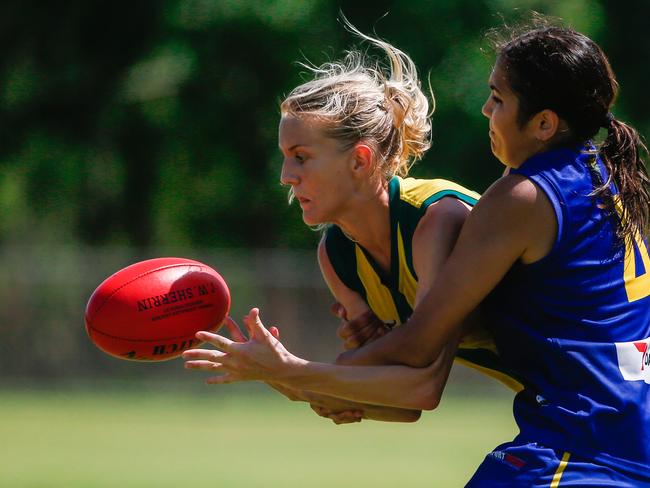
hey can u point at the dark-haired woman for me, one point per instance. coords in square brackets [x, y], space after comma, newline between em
[559, 248]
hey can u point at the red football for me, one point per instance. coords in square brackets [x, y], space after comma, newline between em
[150, 311]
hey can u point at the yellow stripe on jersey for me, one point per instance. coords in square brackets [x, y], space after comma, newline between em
[636, 287]
[477, 338]
[507, 380]
[560, 469]
[416, 192]
[408, 285]
[378, 296]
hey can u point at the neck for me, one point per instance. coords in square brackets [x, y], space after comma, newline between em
[367, 222]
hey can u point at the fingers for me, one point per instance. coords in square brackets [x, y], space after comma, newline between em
[202, 365]
[347, 417]
[220, 342]
[254, 324]
[237, 335]
[203, 355]
[379, 332]
[356, 338]
[339, 311]
[221, 380]
[234, 330]
[321, 411]
[341, 417]
[362, 329]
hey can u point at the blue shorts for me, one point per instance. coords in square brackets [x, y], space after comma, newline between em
[530, 465]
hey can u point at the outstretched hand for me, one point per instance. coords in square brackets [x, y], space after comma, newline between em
[260, 357]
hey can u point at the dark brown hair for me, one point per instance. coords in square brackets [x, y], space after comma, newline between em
[557, 68]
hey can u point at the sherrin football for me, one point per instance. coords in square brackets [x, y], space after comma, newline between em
[150, 311]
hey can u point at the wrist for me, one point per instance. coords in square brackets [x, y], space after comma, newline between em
[292, 368]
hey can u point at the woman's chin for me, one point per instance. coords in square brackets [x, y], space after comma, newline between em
[310, 220]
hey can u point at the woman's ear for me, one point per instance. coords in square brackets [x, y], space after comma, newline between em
[363, 158]
[546, 124]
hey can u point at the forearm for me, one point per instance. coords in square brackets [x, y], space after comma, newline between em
[417, 343]
[370, 412]
[390, 414]
[393, 386]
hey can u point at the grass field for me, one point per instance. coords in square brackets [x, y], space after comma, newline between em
[234, 437]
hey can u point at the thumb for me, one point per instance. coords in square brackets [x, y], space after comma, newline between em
[338, 310]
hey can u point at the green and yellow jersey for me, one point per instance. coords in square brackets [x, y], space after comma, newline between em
[392, 296]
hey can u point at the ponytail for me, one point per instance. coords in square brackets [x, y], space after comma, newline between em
[622, 152]
[359, 99]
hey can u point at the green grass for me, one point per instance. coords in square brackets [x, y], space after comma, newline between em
[234, 437]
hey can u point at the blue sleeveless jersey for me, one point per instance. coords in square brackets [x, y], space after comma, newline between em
[576, 324]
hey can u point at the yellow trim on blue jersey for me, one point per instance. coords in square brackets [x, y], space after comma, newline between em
[636, 287]
[560, 469]
[378, 296]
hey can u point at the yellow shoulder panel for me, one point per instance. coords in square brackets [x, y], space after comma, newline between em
[415, 191]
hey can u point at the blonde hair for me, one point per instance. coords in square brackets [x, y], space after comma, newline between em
[357, 99]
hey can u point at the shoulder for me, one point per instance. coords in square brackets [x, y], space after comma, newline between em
[516, 206]
[436, 234]
[446, 213]
[512, 186]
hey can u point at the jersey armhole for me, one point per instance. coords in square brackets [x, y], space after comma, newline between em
[559, 209]
[341, 253]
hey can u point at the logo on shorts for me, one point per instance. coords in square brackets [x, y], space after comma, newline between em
[634, 360]
[508, 458]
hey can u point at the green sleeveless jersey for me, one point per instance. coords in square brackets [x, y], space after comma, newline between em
[392, 296]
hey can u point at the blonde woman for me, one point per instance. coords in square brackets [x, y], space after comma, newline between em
[348, 138]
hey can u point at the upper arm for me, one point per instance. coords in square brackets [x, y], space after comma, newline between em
[352, 301]
[434, 239]
[506, 225]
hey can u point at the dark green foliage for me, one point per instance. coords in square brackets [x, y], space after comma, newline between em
[153, 123]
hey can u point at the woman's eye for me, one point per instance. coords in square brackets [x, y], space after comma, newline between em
[300, 157]
[496, 99]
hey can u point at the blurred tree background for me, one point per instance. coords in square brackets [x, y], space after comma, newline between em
[151, 126]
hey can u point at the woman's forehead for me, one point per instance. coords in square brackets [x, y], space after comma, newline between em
[299, 130]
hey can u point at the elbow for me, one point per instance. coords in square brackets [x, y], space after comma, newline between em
[430, 403]
[428, 397]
